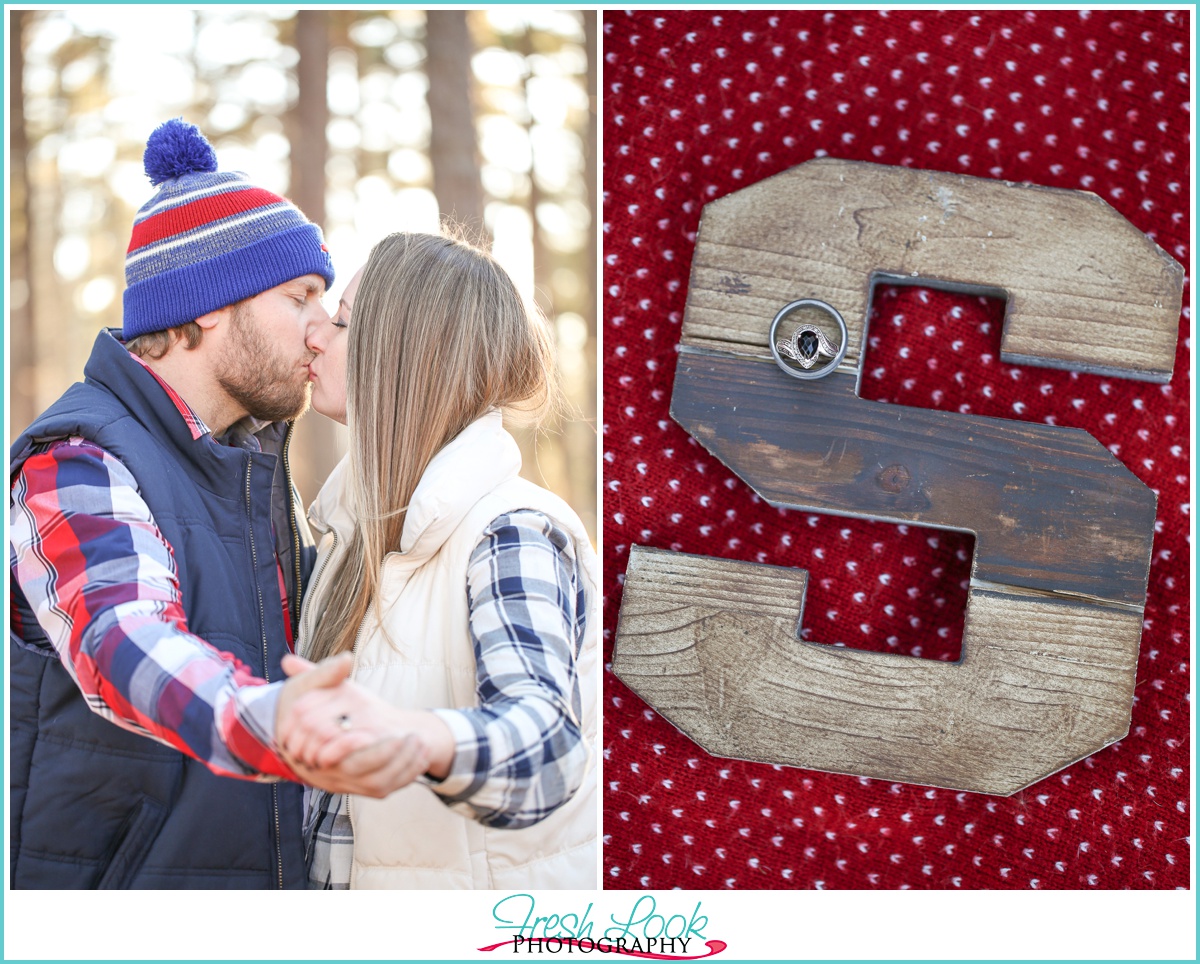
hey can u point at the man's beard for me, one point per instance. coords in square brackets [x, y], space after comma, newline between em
[262, 382]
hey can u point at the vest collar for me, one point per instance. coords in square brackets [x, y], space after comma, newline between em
[473, 463]
[468, 467]
[112, 367]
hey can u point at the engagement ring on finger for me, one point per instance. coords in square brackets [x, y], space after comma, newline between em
[808, 342]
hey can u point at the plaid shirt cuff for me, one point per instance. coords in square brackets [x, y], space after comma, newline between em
[250, 734]
[466, 775]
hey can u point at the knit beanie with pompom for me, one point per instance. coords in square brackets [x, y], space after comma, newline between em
[208, 239]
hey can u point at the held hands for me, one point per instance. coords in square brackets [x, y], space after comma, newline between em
[340, 737]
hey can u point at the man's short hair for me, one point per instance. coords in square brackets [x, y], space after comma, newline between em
[155, 344]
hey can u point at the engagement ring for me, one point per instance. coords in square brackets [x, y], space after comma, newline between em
[808, 343]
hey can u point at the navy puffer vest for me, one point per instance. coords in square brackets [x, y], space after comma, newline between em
[93, 805]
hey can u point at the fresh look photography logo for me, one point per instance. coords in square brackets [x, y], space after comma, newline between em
[642, 931]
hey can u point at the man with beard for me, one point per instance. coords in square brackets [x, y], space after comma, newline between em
[158, 558]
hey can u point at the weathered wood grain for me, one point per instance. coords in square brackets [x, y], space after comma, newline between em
[713, 645]
[1085, 289]
[1051, 508]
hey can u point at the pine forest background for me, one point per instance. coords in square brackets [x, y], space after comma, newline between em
[371, 121]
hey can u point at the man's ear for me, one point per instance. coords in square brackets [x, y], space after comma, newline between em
[214, 318]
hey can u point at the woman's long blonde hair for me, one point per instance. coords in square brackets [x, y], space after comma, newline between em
[438, 336]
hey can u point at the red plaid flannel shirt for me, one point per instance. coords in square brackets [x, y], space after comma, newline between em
[76, 510]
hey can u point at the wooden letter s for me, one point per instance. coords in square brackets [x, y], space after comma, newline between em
[1063, 530]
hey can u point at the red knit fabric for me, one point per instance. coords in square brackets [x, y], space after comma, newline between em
[700, 104]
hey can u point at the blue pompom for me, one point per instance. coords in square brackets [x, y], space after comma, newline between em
[175, 149]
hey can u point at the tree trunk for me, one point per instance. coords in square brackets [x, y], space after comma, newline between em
[545, 464]
[453, 150]
[543, 291]
[319, 442]
[23, 361]
[310, 116]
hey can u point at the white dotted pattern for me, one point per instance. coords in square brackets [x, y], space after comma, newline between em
[699, 104]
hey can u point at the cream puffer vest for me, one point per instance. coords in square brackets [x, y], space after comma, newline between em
[412, 839]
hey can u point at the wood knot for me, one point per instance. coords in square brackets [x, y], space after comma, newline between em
[894, 478]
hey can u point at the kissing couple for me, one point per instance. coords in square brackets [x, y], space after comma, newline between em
[203, 695]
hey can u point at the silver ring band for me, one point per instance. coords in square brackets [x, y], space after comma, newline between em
[808, 342]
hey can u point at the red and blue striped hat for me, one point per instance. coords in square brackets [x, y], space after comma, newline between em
[209, 239]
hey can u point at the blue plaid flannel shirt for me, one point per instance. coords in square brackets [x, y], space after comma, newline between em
[527, 615]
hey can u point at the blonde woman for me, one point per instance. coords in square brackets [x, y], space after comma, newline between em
[464, 593]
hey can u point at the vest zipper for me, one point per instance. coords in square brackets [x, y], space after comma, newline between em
[353, 667]
[312, 589]
[262, 622]
[291, 500]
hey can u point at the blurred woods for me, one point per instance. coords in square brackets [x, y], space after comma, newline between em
[371, 121]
